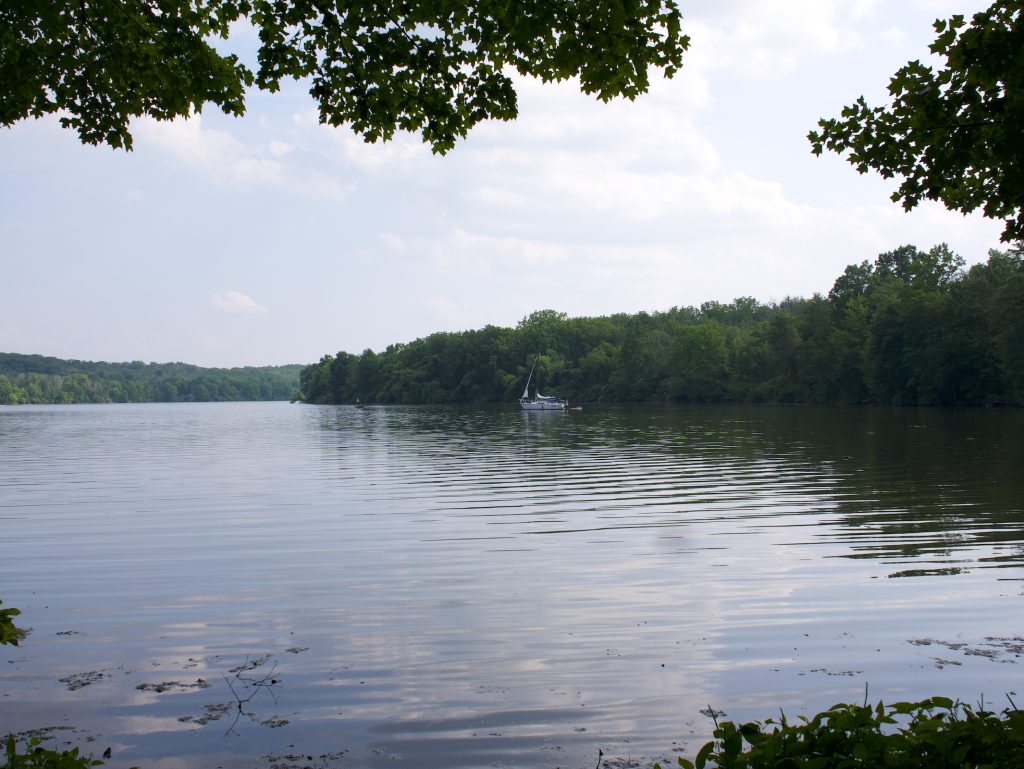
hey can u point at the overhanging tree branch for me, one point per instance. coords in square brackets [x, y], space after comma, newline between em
[956, 135]
[370, 68]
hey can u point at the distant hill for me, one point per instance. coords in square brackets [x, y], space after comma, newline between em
[41, 379]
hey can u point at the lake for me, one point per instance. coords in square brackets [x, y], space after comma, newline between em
[276, 585]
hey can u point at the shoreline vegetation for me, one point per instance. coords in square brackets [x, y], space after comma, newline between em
[935, 733]
[36, 379]
[913, 328]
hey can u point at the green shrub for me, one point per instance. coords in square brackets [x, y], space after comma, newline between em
[36, 757]
[9, 634]
[936, 733]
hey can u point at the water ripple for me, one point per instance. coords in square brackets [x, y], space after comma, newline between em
[476, 586]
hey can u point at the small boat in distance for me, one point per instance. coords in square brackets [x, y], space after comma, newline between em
[539, 402]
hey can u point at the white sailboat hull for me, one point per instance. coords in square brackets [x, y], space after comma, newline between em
[544, 405]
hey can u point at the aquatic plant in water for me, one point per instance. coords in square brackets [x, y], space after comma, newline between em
[37, 757]
[936, 733]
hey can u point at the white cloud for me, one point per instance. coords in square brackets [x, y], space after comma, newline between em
[237, 303]
[894, 35]
[461, 253]
[212, 344]
[225, 159]
[499, 197]
[558, 115]
[442, 307]
[578, 158]
[278, 148]
[404, 154]
[217, 153]
[20, 339]
[765, 39]
[393, 242]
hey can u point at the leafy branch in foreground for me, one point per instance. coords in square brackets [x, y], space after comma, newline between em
[36, 757]
[953, 135]
[428, 66]
[9, 633]
[936, 733]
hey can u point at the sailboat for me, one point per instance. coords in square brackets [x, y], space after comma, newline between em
[539, 402]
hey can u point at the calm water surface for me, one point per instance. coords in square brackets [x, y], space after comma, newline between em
[476, 587]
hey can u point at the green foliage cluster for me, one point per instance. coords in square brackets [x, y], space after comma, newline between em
[39, 379]
[430, 66]
[933, 734]
[37, 757]
[954, 135]
[911, 328]
[9, 633]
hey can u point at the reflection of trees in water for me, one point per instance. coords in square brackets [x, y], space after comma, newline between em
[921, 484]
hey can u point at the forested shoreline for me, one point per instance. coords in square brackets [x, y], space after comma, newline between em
[911, 328]
[38, 379]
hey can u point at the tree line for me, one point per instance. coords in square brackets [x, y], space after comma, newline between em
[911, 328]
[39, 379]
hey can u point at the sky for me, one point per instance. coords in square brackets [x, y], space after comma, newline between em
[270, 239]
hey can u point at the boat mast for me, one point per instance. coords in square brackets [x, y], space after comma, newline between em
[526, 390]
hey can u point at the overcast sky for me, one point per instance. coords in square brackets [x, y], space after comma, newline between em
[271, 239]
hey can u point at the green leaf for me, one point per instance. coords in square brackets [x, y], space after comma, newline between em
[703, 754]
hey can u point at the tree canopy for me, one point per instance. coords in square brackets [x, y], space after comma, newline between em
[429, 66]
[910, 328]
[39, 379]
[955, 135]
